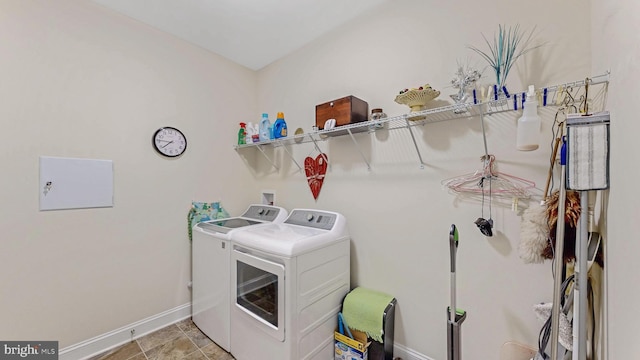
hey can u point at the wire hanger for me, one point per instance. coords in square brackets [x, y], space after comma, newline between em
[488, 182]
[502, 184]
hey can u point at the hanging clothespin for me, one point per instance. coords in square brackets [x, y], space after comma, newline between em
[559, 98]
[504, 89]
[539, 96]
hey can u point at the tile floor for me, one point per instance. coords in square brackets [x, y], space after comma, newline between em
[182, 340]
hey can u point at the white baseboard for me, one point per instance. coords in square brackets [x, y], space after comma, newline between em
[112, 339]
[104, 342]
[403, 352]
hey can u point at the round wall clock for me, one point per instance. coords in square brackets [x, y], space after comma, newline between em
[169, 141]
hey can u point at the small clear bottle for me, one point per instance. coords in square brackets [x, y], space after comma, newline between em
[376, 115]
[250, 131]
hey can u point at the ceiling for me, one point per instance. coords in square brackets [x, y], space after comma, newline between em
[253, 33]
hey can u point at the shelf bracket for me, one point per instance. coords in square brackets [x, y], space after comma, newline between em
[406, 119]
[359, 150]
[315, 143]
[292, 158]
[267, 157]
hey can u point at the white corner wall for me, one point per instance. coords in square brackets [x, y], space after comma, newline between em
[399, 214]
[82, 81]
[616, 46]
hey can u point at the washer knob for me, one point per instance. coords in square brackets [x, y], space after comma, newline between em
[309, 216]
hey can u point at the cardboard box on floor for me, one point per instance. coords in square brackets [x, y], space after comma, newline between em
[347, 348]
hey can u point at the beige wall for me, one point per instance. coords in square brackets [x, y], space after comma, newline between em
[616, 46]
[81, 81]
[399, 215]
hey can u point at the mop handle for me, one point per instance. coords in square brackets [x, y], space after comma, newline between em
[453, 247]
[558, 255]
[452, 309]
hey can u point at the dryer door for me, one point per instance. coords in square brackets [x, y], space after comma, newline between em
[259, 292]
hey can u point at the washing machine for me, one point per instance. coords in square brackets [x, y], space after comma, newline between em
[211, 253]
[288, 281]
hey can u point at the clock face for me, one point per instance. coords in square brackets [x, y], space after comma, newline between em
[169, 141]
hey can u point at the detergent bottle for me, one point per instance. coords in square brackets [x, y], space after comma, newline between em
[265, 126]
[280, 127]
[242, 134]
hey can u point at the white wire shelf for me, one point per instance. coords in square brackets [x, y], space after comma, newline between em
[567, 95]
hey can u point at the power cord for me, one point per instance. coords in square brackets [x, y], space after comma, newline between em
[545, 332]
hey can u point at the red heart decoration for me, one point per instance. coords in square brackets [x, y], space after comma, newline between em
[315, 169]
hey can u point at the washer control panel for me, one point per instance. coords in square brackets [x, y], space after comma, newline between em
[312, 218]
[265, 212]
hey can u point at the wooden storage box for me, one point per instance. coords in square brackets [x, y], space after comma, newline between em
[346, 110]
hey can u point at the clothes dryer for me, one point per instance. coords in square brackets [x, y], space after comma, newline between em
[211, 253]
[288, 282]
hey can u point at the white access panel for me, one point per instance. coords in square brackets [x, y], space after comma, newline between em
[68, 183]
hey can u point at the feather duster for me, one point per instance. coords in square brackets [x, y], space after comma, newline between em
[534, 231]
[571, 218]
